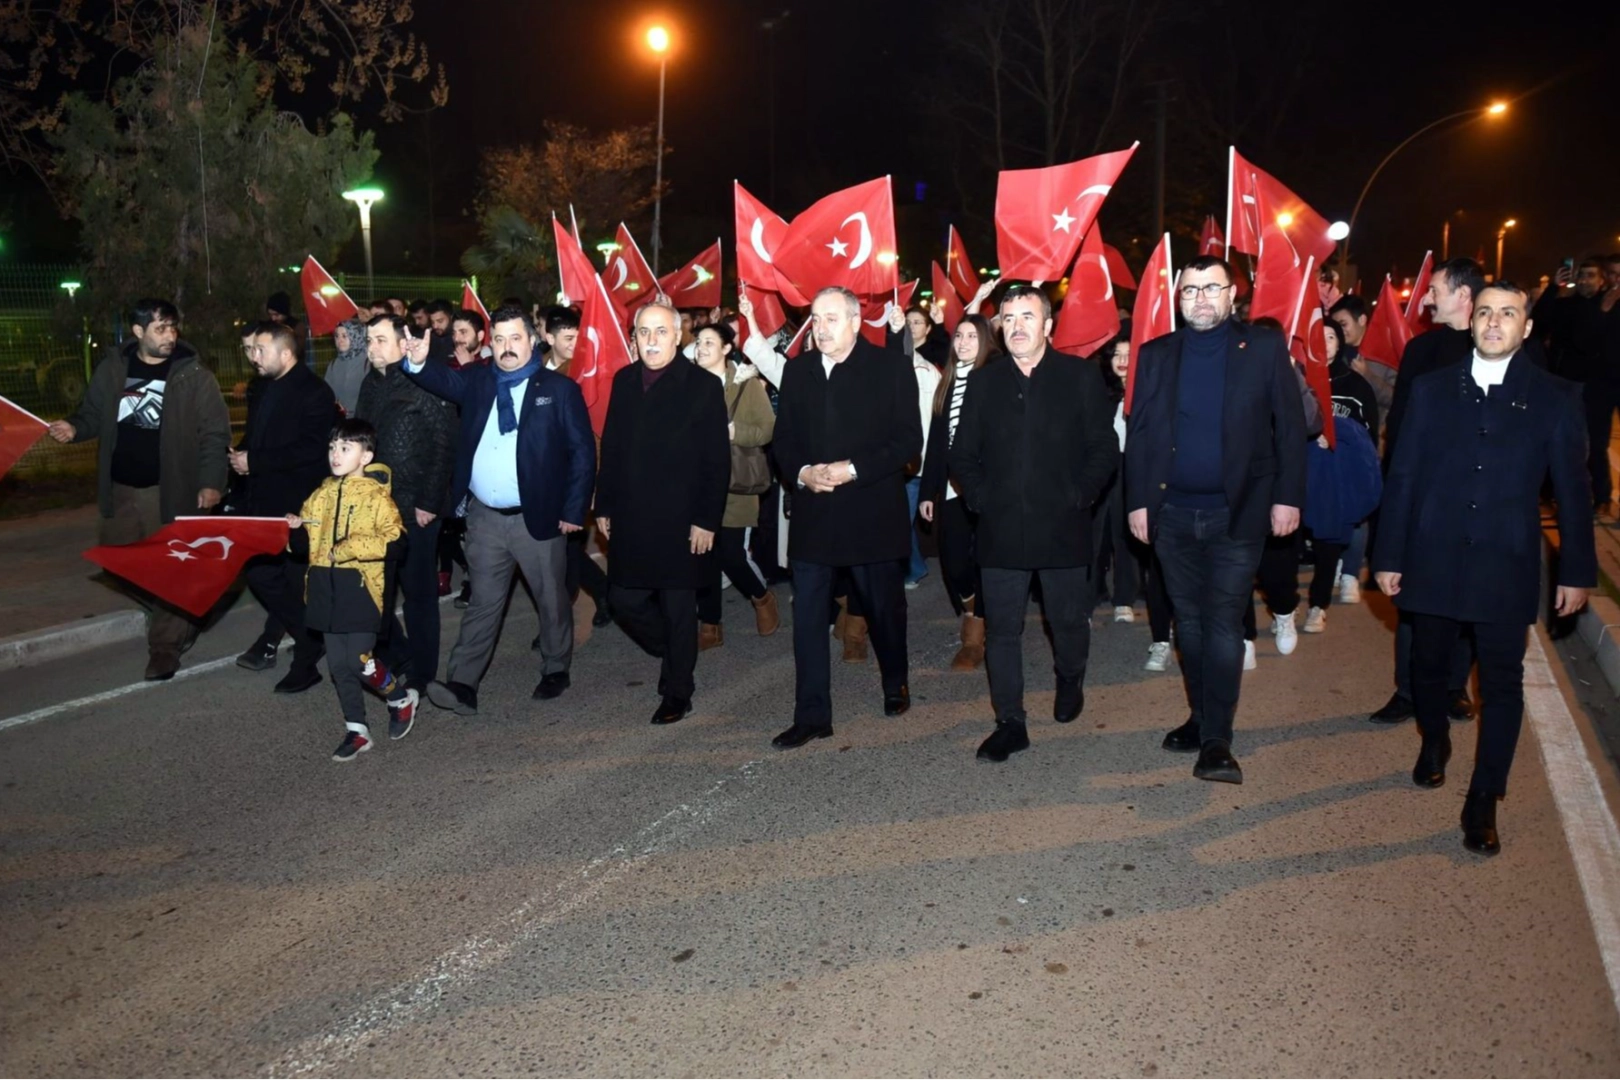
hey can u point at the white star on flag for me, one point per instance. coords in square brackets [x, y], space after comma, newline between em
[839, 247]
[1062, 220]
[181, 555]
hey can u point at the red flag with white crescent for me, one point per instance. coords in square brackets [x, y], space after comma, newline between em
[630, 281]
[768, 313]
[1090, 312]
[875, 312]
[759, 233]
[325, 303]
[1153, 314]
[945, 293]
[1307, 343]
[1276, 277]
[845, 239]
[1419, 316]
[963, 278]
[470, 302]
[1211, 241]
[1119, 272]
[573, 269]
[192, 561]
[1387, 329]
[1042, 214]
[697, 284]
[1257, 200]
[602, 351]
[19, 431]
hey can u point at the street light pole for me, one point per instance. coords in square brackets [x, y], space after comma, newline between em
[658, 42]
[364, 198]
[1501, 242]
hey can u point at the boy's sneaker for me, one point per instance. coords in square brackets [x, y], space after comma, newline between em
[1349, 589]
[1158, 657]
[1249, 662]
[402, 714]
[353, 745]
[1123, 613]
[1315, 621]
[1287, 633]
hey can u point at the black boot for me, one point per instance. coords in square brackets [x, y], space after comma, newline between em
[1479, 823]
[1010, 737]
[1461, 707]
[1430, 770]
[1399, 708]
[1069, 701]
[1185, 739]
[604, 612]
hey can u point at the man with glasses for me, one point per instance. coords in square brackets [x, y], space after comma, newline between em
[1214, 461]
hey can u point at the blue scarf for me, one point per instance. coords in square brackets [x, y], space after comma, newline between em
[506, 414]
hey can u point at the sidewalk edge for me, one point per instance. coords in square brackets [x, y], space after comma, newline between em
[66, 639]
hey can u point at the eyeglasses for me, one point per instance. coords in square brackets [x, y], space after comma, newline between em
[1209, 292]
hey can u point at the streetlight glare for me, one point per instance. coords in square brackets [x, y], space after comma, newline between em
[658, 39]
[1509, 223]
[1338, 230]
[1285, 219]
[365, 194]
[1497, 108]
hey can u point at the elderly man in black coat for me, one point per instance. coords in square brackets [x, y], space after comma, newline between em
[1459, 536]
[660, 498]
[1034, 448]
[846, 428]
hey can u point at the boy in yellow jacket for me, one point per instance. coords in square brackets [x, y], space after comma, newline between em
[349, 522]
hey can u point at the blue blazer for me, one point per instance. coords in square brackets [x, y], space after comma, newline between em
[1461, 518]
[556, 452]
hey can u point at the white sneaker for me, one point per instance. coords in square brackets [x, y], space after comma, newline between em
[1287, 633]
[1124, 614]
[1158, 657]
[1349, 590]
[1315, 621]
[1249, 662]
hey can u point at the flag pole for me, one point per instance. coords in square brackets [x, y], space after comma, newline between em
[1170, 281]
[1231, 165]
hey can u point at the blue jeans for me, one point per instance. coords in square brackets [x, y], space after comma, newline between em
[1356, 553]
[919, 566]
[1210, 578]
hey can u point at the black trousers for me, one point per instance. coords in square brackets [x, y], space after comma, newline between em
[1210, 578]
[277, 582]
[1325, 580]
[1066, 593]
[1601, 399]
[582, 571]
[1501, 689]
[664, 622]
[1113, 547]
[731, 544]
[880, 588]
[413, 648]
[958, 558]
[1462, 660]
[452, 544]
[1158, 600]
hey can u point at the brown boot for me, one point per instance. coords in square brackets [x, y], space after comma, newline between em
[710, 636]
[766, 615]
[842, 622]
[971, 655]
[855, 640]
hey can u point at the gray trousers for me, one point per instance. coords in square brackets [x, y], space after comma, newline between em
[343, 660]
[497, 545]
[138, 514]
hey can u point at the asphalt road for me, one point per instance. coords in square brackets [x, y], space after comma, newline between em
[188, 885]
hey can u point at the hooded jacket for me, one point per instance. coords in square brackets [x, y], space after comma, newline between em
[349, 523]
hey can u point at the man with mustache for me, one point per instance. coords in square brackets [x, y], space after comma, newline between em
[1214, 462]
[846, 428]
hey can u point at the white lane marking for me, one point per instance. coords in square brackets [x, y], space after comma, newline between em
[1594, 838]
[110, 695]
[399, 1005]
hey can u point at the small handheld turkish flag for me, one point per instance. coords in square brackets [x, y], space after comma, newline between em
[1419, 316]
[1090, 312]
[630, 281]
[1387, 330]
[1307, 343]
[1042, 214]
[1212, 242]
[945, 293]
[845, 239]
[573, 269]
[875, 313]
[325, 302]
[602, 351]
[19, 431]
[697, 284]
[192, 561]
[963, 278]
[470, 302]
[1153, 315]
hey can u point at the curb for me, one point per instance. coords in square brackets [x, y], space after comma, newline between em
[55, 642]
[1597, 625]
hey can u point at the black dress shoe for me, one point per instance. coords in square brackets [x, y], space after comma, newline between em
[1184, 739]
[897, 704]
[298, 680]
[1398, 709]
[799, 734]
[552, 686]
[671, 710]
[1009, 737]
[1479, 823]
[455, 697]
[260, 656]
[1430, 770]
[1461, 707]
[604, 613]
[1215, 762]
[1069, 700]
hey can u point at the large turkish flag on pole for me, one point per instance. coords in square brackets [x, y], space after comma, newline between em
[1042, 214]
[19, 431]
[573, 269]
[846, 239]
[1118, 270]
[1387, 329]
[1090, 312]
[1256, 201]
[1154, 312]
[630, 281]
[325, 302]
[602, 351]
[192, 561]
[1307, 343]
[759, 233]
[1276, 278]
[697, 284]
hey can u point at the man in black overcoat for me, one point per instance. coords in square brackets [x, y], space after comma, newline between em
[846, 428]
[1459, 537]
[1034, 448]
[660, 498]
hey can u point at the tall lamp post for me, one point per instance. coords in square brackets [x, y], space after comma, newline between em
[1494, 110]
[1501, 242]
[364, 198]
[658, 42]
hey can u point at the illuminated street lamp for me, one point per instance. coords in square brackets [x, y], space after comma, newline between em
[72, 288]
[364, 198]
[1501, 242]
[658, 42]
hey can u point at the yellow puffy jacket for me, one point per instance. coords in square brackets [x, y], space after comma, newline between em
[350, 522]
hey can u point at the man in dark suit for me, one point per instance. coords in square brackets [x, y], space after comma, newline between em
[661, 495]
[847, 426]
[525, 466]
[1459, 538]
[1034, 448]
[1214, 461]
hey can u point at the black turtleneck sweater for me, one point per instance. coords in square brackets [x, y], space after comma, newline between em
[1195, 472]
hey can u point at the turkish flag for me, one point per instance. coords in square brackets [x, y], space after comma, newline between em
[768, 313]
[1212, 241]
[759, 233]
[697, 284]
[1256, 200]
[1042, 214]
[799, 344]
[191, 561]
[875, 313]
[1153, 315]
[1419, 316]
[1090, 312]
[1307, 343]
[1118, 271]
[945, 293]
[19, 431]
[846, 239]
[470, 302]
[601, 352]
[964, 280]
[1276, 278]
[325, 302]
[630, 281]
[1387, 329]
[573, 268]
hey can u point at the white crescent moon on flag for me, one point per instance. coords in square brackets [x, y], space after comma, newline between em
[1108, 278]
[863, 250]
[624, 274]
[888, 309]
[223, 542]
[1096, 189]
[756, 237]
[596, 350]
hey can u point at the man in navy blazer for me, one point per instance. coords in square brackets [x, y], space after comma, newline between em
[1459, 536]
[1214, 461]
[524, 473]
